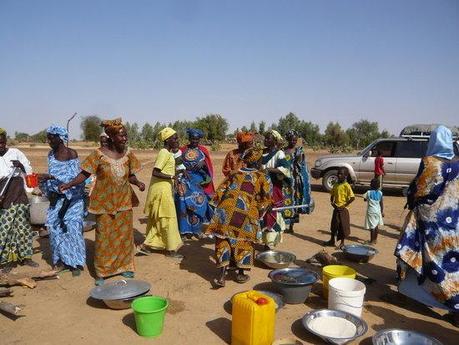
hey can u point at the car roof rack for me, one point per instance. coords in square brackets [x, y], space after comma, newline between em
[422, 131]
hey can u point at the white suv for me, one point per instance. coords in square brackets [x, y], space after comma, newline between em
[402, 157]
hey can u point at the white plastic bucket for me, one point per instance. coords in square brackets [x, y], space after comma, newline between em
[346, 294]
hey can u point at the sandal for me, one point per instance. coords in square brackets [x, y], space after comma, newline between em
[128, 274]
[242, 278]
[142, 250]
[219, 282]
[30, 263]
[174, 255]
[75, 272]
[99, 281]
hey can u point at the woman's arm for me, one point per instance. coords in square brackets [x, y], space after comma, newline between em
[157, 173]
[133, 180]
[80, 178]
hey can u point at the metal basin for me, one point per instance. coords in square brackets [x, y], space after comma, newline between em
[293, 283]
[119, 294]
[359, 252]
[402, 337]
[276, 259]
[310, 318]
[121, 303]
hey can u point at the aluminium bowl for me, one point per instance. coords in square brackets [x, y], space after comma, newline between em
[361, 326]
[276, 259]
[359, 252]
[395, 336]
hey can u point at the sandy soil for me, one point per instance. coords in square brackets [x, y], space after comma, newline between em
[59, 311]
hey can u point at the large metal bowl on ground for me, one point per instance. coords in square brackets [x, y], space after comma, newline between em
[334, 326]
[359, 252]
[395, 336]
[119, 294]
[38, 209]
[293, 283]
[276, 259]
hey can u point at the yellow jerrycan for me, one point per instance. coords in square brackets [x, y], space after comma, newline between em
[254, 316]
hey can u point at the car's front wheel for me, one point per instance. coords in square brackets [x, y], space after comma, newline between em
[329, 179]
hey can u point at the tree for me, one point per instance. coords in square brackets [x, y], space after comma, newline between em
[253, 127]
[39, 137]
[21, 137]
[262, 127]
[363, 133]
[310, 133]
[335, 135]
[132, 132]
[290, 121]
[214, 126]
[90, 125]
[147, 133]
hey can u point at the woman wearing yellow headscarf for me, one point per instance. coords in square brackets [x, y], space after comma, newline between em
[162, 226]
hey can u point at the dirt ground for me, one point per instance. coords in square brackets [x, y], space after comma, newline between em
[60, 312]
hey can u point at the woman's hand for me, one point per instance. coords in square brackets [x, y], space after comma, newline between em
[141, 186]
[18, 164]
[63, 187]
[45, 177]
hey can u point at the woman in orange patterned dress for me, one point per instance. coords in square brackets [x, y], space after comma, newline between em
[111, 201]
[240, 202]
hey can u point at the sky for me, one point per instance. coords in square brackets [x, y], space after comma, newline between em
[390, 61]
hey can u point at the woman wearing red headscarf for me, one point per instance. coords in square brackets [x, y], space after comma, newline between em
[233, 160]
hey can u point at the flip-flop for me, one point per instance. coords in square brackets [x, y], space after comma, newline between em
[143, 251]
[128, 274]
[99, 281]
[242, 278]
[219, 283]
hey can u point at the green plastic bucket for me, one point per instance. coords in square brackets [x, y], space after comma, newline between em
[149, 313]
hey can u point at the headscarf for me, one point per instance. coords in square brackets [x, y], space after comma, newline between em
[60, 131]
[252, 155]
[441, 143]
[112, 127]
[2, 131]
[277, 136]
[103, 134]
[194, 133]
[166, 133]
[291, 133]
[244, 137]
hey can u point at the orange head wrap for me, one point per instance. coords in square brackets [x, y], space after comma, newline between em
[244, 137]
[112, 127]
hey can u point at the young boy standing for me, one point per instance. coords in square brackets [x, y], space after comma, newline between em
[341, 197]
[379, 168]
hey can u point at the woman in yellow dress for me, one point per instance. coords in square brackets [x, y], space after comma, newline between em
[162, 227]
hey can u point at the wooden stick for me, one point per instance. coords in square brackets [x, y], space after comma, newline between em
[10, 308]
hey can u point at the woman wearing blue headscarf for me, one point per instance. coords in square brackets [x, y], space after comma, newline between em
[195, 187]
[429, 246]
[66, 211]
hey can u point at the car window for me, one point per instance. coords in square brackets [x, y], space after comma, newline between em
[385, 147]
[411, 149]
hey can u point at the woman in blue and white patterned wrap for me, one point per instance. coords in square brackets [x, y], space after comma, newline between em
[66, 213]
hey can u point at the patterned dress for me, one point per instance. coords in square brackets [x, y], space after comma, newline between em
[430, 242]
[65, 230]
[298, 191]
[15, 230]
[111, 201]
[191, 199]
[274, 222]
[236, 223]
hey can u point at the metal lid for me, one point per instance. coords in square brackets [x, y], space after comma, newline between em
[358, 249]
[293, 276]
[120, 289]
